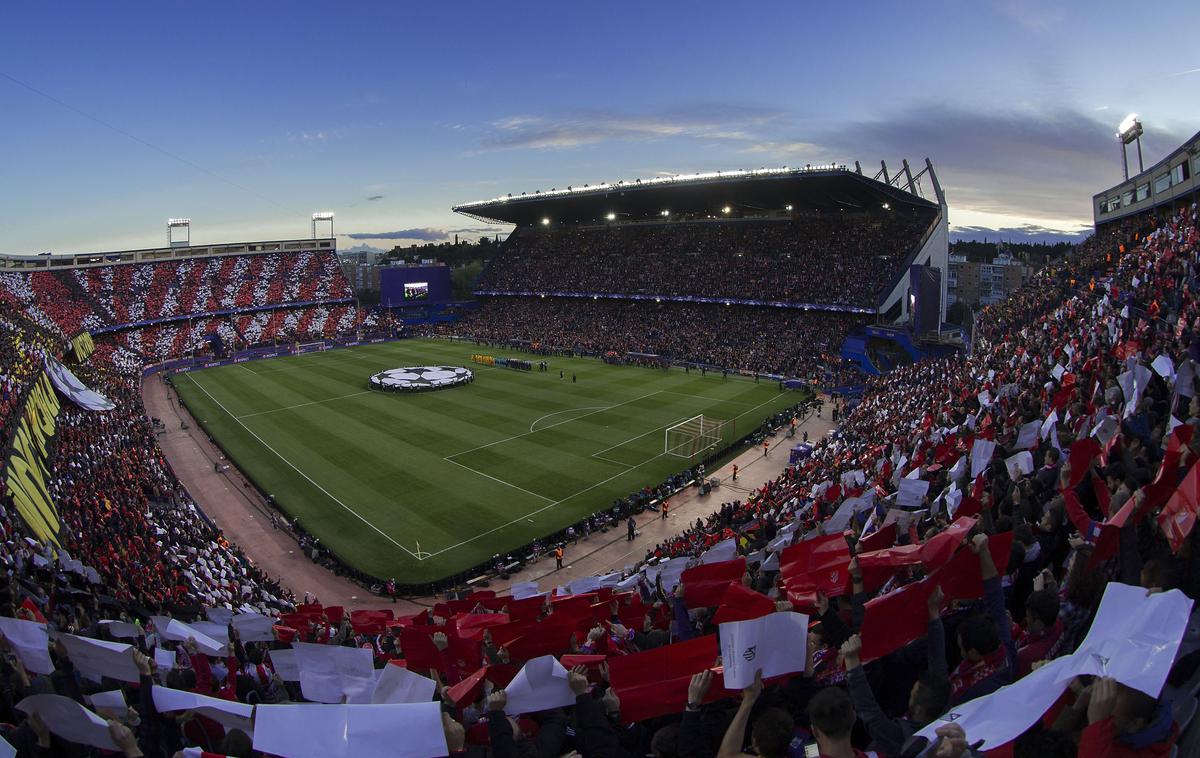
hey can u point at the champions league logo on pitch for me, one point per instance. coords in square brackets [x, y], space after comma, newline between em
[420, 378]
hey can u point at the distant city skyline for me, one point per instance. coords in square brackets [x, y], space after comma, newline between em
[248, 118]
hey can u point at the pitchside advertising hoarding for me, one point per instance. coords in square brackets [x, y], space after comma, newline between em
[414, 285]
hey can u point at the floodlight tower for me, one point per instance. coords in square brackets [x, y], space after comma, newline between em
[179, 223]
[1130, 130]
[323, 216]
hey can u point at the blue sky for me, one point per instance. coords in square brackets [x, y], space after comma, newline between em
[247, 117]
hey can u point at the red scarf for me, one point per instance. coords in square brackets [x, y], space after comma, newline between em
[965, 677]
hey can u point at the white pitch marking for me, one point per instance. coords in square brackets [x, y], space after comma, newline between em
[301, 473]
[568, 410]
[582, 491]
[302, 405]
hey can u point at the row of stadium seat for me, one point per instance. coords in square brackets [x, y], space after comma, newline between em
[828, 260]
[102, 297]
[764, 340]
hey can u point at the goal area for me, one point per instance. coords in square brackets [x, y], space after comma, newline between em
[309, 347]
[697, 436]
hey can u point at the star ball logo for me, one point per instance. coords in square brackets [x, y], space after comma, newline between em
[750, 653]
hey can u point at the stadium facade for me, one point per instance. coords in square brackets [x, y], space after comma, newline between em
[1171, 183]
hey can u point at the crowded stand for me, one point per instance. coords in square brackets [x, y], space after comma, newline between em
[780, 341]
[166, 341]
[826, 260]
[992, 554]
[104, 297]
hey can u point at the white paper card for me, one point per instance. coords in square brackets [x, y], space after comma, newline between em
[911, 492]
[285, 664]
[399, 685]
[540, 685]
[110, 700]
[981, 456]
[776, 643]
[30, 642]
[411, 730]
[228, 713]
[254, 627]
[1028, 435]
[100, 657]
[69, 720]
[328, 673]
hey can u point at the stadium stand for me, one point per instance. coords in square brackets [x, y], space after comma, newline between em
[739, 337]
[830, 260]
[1020, 516]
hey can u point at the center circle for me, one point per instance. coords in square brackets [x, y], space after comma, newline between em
[420, 378]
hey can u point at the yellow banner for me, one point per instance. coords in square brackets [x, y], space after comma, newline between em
[83, 346]
[28, 472]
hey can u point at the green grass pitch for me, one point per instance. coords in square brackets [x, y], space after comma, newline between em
[466, 472]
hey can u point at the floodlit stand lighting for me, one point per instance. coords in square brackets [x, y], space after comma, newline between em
[323, 216]
[179, 223]
[1130, 130]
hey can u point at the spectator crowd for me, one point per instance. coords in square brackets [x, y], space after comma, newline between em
[994, 547]
[844, 259]
[782, 341]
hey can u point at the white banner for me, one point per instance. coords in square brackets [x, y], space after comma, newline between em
[68, 384]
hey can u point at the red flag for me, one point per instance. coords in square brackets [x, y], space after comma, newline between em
[892, 621]
[525, 608]
[741, 603]
[550, 636]
[1083, 452]
[35, 613]
[939, 549]
[822, 563]
[704, 585]
[1110, 535]
[481, 621]
[419, 650]
[969, 507]
[878, 539]
[1178, 518]
[469, 690]
[370, 622]
[335, 614]
[655, 683]
[960, 579]
[879, 566]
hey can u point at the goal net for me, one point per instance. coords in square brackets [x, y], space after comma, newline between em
[697, 436]
[309, 347]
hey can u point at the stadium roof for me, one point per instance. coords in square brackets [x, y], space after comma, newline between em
[734, 193]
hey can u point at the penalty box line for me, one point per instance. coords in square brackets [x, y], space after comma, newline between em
[295, 468]
[629, 467]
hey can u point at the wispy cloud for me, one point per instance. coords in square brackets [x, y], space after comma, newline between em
[308, 138]
[1035, 15]
[1031, 164]
[426, 234]
[1184, 73]
[476, 230]
[712, 121]
[373, 198]
[1030, 233]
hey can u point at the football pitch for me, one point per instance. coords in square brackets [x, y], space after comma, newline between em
[421, 486]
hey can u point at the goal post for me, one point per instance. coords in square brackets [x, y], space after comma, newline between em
[697, 436]
[309, 347]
